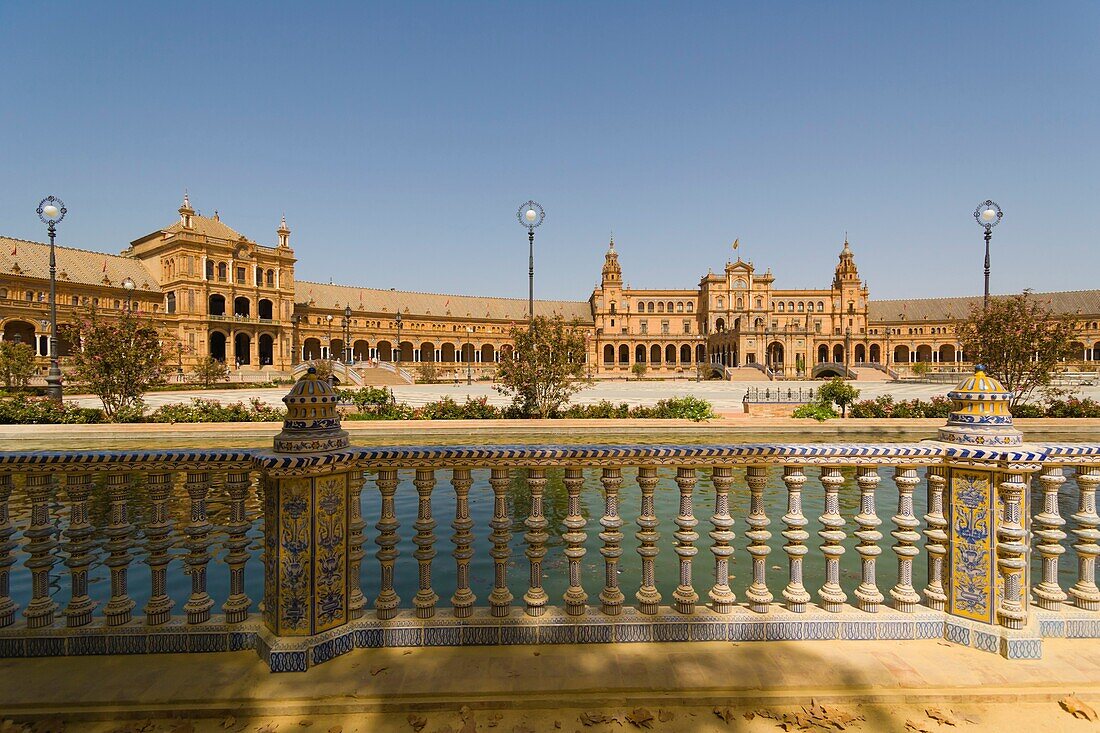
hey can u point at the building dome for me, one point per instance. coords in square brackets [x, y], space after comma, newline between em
[980, 414]
[312, 423]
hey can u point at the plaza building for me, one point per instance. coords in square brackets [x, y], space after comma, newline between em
[214, 292]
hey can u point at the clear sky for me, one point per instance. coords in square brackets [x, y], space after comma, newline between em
[400, 138]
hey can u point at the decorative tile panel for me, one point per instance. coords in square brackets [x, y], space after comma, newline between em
[971, 505]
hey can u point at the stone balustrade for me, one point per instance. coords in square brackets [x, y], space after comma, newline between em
[122, 552]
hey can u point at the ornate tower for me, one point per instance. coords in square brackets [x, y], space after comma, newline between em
[612, 272]
[284, 234]
[186, 212]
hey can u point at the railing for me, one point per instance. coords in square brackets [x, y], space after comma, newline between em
[113, 552]
[778, 394]
[403, 373]
[761, 367]
[881, 367]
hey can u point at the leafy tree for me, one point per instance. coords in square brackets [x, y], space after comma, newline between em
[638, 369]
[837, 392]
[922, 369]
[16, 364]
[427, 372]
[209, 372]
[119, 361]
[547, 366]
[1020, 340]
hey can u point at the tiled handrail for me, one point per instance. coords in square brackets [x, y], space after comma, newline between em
[57, 487]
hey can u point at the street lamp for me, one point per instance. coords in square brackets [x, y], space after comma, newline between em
[847, 350]
[397, 361]
[295, 320]
[51, 210]
[531, 215]
[347, 334]
[328, 320]
[988, 215]
[128, 286]
[470, 358]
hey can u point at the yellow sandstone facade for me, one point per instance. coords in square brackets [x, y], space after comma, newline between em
[214, 292]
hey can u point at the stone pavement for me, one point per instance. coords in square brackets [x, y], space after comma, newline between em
[549, 681]
[725, 396]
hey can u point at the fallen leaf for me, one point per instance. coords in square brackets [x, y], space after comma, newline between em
[941, 717]
[336, 729]
[725, 714]
[589, 718]
[749, 715]
[917, 727]
[494, 718]
[267, 728]
[665, 715]
[417, 722]
[377, 670]
[49, 725]
[1077, 708]
[305, 723]
[538, 653]
[10, 726]
[557, 724]
[640, 718]
[406, 653]
[229, 722]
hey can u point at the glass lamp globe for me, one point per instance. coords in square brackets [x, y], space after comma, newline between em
[50, 211]
[989, 215]
[531, 215]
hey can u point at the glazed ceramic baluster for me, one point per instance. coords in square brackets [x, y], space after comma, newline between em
[386, 603]
[41, 544]
[720, 594]
[649, 598]
[574, 536]
[1049, 536]
[868, 593]
[119, 532]
[611, 597]
[199, 603]
[237, 604]
[463, 600]
[831, 595]
[357, 603]
[536, 537]
[758, 595]
[1012, 551]
[78, 545]
[158, 540]
[905, 596]
[1085, 594]
[936, 544]
[500, 599]
[425, 598]
[795, 594]
[685, 595]
[8, 607]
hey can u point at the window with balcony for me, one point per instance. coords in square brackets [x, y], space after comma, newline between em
[664, 327]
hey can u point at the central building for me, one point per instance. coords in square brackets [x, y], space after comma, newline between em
[736, 319]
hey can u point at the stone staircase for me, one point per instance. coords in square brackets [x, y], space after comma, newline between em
[747, 374]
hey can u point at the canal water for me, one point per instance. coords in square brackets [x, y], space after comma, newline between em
[554, 566]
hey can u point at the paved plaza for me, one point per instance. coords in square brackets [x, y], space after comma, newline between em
[726, 397]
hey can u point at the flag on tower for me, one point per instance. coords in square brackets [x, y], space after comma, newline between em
[736, 243]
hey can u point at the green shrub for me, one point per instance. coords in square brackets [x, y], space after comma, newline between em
[602, 410]
[677, 408]
[815, 410]
[201, 410]
[884, 406]
[1073, 407]
[24, 410]
[1026, 409]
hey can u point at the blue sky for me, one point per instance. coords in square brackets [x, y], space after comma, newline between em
[400, 138]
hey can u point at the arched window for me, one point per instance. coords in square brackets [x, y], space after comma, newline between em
[669, 306]
[691, 307]
[259, 275]
[660, 307]
[810, 306]
[759, 302]
[790, 306]
[612, 307]
[650, 307]
[740, 303]
[270, 278]
[801, 306]
[821, 306]
[779, 306]
[210, 269]
[739, 284]
[223, 270]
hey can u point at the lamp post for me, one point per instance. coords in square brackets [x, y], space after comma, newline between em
[847, 350]
[128, 286]
[179, 359]
[988, 215]
[397, 360]
[328, 347]
[51, 210]
[531, 215]
[470, 358]
[347, 334]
